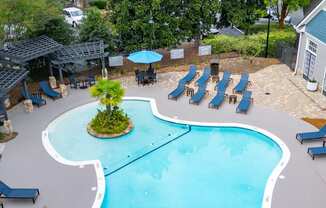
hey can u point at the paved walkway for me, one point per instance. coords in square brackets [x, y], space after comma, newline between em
[25, 163]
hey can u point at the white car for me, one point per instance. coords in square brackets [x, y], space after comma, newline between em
[73, 16]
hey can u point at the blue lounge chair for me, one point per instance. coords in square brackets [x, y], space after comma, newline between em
[199, 95]
[204, 78]
[224, 83]
[191, 74]
[175, 94]
[218, 99]
[9, 193]
[243, 83]
[316, 151]
[245, 102]
[44, 86]
[310, 136]
[35, 97]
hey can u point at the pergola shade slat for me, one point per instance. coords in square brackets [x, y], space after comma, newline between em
[27, 50]
[82, 51]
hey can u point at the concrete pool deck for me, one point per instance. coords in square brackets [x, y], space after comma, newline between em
[25, 162]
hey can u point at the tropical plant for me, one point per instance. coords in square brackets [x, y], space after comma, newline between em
[109, 92]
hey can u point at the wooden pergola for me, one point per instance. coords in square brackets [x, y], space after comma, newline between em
[10, 77]
[77, 54]
[24, 51]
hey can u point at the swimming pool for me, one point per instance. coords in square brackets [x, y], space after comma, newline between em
[164, 164]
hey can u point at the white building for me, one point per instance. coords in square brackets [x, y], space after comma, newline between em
[311, 57]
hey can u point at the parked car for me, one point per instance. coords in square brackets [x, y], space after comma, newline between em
[73, 16]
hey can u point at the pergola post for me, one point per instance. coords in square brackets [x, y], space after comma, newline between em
[51, 70]
[61, 75]
[25, 88]
[103, 62]
[3, 106]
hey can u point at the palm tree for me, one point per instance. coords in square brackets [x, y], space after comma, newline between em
[109, 92]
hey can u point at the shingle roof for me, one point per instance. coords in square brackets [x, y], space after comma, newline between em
[317, 26]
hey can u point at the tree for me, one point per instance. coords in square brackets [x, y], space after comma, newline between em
[21, 18]
[283, 7]
[58, 30]
[160, 23]
[96, 26]
[109, 92]
[198, 16]
[242, 13]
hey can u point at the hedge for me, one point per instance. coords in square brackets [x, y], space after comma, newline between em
[251, 45]
[100, 4]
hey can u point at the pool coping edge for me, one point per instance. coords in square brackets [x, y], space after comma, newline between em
[270, 185]
[272, 179]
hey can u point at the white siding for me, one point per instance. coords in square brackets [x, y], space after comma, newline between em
[320, 64]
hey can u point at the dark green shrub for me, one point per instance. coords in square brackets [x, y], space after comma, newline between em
[100, 4]
[2, 136]
[251, 45]
[110, 123]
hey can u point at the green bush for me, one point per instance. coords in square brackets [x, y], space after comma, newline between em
[100, 4]
[251, 45]
[2, 136]
[110, 123]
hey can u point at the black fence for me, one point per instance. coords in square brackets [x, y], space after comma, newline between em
[287, 54]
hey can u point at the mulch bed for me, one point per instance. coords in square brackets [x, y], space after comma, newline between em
[317, 122]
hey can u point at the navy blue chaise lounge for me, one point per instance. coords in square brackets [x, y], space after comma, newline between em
[309, 136]
[317, 151]
[175, 94]
[204, 77]
[221, 88]
[243, 83]
[35, 97]
[245, 102]
[20, 193]
[48, 91]
[199, 95]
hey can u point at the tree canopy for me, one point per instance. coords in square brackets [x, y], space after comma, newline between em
[283, 7]
[25, 18]
[96, 26]
[160, 23]
[241, 13]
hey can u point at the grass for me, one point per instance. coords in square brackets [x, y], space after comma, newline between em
[315, 122]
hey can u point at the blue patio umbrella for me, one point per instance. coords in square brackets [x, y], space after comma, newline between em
[145, 57]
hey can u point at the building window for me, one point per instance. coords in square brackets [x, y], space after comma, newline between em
[312, 47]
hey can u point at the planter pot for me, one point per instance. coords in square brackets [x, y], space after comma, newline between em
[312, 86]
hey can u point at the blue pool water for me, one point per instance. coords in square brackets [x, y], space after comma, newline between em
[202, 167]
